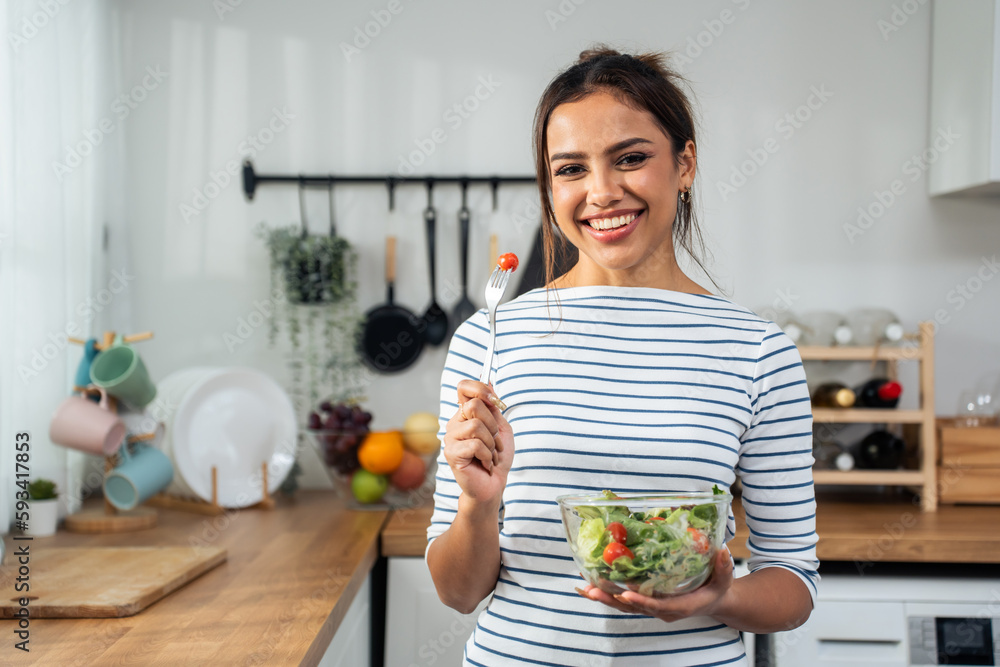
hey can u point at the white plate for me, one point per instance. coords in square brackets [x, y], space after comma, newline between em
[236, 419]
[170, 393]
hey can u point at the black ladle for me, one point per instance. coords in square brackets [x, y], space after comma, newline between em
[435, 320]
[464, 309]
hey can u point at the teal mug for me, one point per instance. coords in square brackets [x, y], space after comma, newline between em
[119, 371]
[139, 476]
[83, 368]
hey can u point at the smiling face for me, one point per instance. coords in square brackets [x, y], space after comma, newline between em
[615, 182]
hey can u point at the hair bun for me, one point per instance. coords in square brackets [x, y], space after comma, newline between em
[650, 63]
[598, 51]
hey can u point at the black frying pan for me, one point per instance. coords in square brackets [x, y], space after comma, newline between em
[392, 338]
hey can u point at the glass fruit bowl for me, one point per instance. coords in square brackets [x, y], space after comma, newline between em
[375, 469]
[657, 545]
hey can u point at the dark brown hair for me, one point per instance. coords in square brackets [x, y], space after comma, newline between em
[641, 82]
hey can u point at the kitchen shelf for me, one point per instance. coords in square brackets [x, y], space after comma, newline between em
[870, 477]
[880, 353]
[918, 348]
[867, 415]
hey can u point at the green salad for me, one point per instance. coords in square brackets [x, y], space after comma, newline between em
[654, 553]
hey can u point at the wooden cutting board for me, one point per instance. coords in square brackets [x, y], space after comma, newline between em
[101, 582]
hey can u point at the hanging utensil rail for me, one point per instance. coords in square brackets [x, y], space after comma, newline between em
[251, 179]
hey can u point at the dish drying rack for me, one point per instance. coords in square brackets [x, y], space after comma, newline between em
[212, 507]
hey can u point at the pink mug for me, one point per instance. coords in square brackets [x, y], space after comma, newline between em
[84, 425]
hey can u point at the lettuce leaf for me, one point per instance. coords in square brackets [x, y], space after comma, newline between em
[591, 540]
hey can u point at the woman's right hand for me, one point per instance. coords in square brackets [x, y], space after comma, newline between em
[479, 444]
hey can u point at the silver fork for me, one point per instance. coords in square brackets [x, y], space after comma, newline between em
[495, 288]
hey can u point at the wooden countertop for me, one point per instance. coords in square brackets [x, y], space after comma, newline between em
[293, 571]
[848, 531]
[291, 574]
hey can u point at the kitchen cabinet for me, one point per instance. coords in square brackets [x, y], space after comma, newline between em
[962, 155]
[351, 645]
[925, 475]
[419, 629]
[968, 463]
[845, 634]
[896, 620]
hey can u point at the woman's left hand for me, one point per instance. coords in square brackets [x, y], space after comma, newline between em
[706, 600]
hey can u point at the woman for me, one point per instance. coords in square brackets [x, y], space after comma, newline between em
[622, 374]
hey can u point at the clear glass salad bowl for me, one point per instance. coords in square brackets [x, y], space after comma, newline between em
[655, 544]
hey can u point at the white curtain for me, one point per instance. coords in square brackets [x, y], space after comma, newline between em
[61, 154]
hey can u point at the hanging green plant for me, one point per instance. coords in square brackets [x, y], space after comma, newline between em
[319, 313]
[314, 269]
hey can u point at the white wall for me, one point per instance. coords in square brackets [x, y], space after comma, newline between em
[781, 232]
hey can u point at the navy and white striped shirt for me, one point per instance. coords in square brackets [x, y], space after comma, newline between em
[630, 389]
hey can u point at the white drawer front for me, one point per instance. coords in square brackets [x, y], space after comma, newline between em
[846, 634]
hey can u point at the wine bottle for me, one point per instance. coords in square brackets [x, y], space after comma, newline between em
[878, 393]
[833, 395]
[881, 450]
[831, 454]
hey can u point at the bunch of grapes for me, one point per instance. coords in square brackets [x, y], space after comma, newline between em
[340, 428]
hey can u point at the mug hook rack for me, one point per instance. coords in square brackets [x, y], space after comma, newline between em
[251, 180]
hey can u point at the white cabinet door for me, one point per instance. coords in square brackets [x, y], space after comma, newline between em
[420, 630]
[351, 646]
[962, 154]
[845, 634]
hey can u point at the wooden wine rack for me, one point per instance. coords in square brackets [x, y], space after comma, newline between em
[916, 347]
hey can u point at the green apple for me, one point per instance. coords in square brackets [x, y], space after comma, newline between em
[368, 487]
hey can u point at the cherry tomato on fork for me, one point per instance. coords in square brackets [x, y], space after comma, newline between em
[507, 261]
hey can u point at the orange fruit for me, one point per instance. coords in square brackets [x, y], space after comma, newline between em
[381, 452]
[410, 473]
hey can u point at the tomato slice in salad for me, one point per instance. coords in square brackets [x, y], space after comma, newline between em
[618, 532]
[699, 539]
[616, 550]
